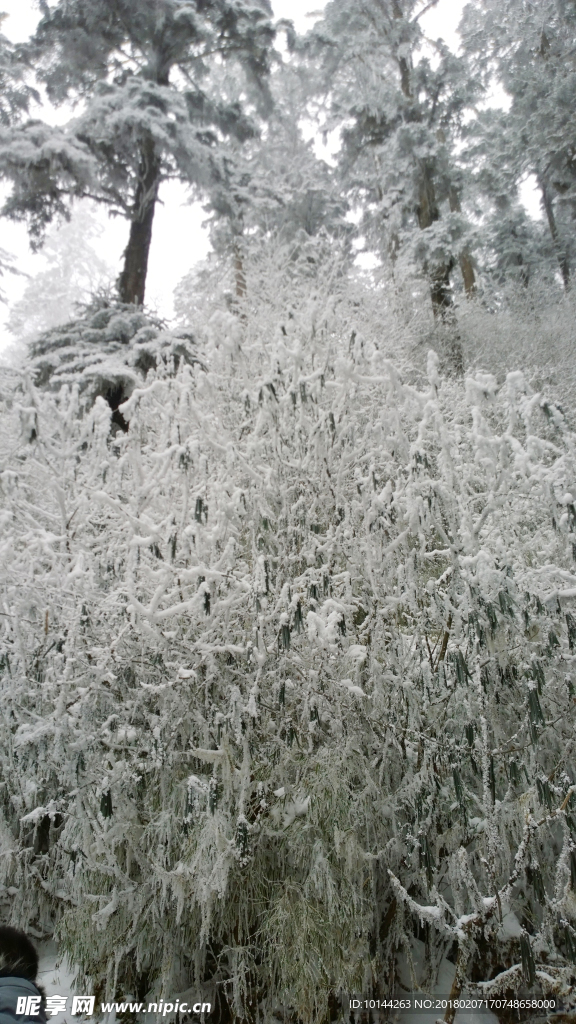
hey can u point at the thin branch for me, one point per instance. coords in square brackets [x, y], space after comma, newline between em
[433, 3]
[445, 639]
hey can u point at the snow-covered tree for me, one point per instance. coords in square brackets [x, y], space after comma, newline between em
[274, 190]
[399, 111]
[107, 352]
[509, 245]
[15, 98]
[529, 50]
[15, 93]
[74, 272]
[141, 71]
[288, 669]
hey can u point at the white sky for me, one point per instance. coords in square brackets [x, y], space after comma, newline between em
[179, 240]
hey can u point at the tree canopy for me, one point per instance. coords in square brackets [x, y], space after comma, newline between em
[140, 72]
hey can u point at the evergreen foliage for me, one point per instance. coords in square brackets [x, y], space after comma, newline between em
[400, 113]
[141, 70]
[15, 93]
[275, 191]
[15, 99]
[529, 50]
[107, 353]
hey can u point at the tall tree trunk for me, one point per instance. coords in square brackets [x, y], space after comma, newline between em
[132, 280]
[403, 63]
[428, 214]
[239, 280]
[239, 272]
[427, 209]
[441, 293]
[440, 289]
[468, 275]
[562, 255]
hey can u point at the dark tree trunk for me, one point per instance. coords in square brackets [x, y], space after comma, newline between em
[562, 255]
[403, 64]
[239, 272]
[428, 214]
[441, 292]
[466, 266]
[439, 275]
[132, 280]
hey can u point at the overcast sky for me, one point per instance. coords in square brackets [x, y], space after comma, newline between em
[179, 240]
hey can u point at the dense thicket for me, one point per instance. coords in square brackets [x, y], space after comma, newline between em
[288, 672]
[287, 625]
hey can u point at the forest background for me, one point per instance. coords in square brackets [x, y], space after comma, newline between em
[174, 221]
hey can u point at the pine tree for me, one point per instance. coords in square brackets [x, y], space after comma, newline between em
[15, 98]
[141, 70]
[274, 191]
[399, 115]
[510, 247]
[15, 93]
[529, 50]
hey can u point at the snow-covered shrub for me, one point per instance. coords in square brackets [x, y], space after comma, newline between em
[532, 328]
[288, 675]
[107, 352]
[297, 288]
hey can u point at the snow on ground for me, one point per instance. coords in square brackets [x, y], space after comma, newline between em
[441, 991]
[57, 978]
